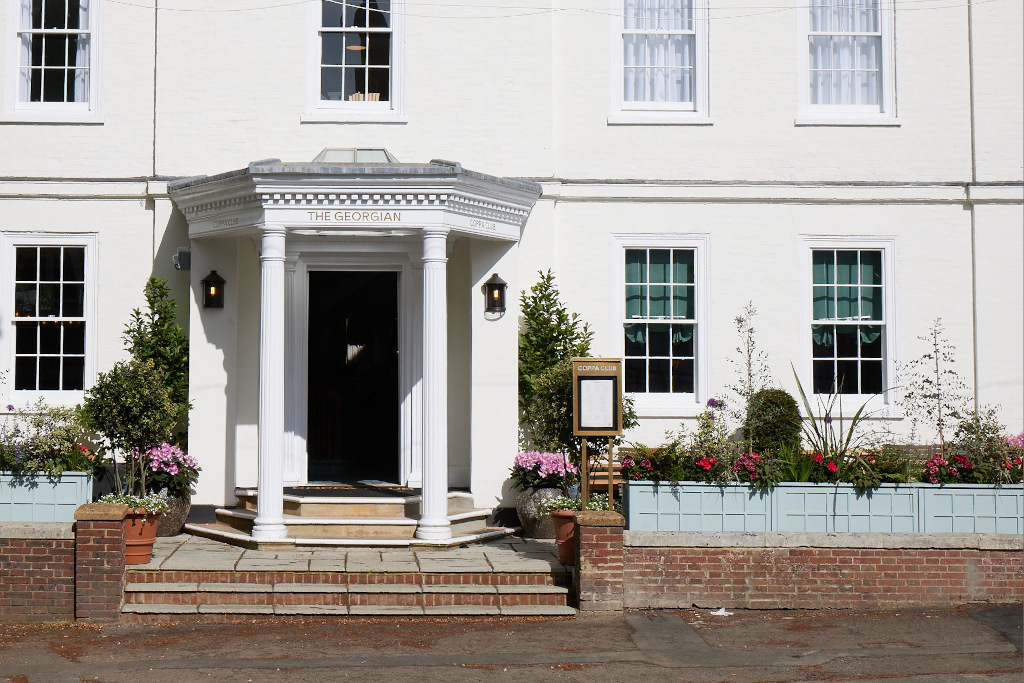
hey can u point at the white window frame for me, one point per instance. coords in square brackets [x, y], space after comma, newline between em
[667, 404]
[326, 111]
[16, 111]
[9, 241]
[878, 405]
[848, 115]
[666, 113]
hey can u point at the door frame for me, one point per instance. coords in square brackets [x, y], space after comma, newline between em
[341, 256]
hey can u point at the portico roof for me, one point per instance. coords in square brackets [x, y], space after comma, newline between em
[339, 198]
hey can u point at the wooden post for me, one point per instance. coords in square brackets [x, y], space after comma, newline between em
[585, 476]
[611, 474]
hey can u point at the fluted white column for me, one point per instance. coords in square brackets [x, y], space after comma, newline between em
[434, 524]
[269, 523]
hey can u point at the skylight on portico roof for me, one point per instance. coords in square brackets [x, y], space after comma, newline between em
[351, 155]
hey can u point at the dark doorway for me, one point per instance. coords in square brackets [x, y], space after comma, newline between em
[353, 404]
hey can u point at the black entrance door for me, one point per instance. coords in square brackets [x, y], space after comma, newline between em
[353, 377]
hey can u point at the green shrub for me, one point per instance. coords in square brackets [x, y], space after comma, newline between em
[130, 407]
[43, 439]
[155, 335]
[549, 425]
[773, 422]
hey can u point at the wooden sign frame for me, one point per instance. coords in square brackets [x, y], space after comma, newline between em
[596, 396]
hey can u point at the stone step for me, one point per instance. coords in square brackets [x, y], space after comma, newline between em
[463, 523]
[355, 505]
[374, 595]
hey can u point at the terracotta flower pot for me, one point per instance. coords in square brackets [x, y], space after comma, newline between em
[140, 533]
[565, 535]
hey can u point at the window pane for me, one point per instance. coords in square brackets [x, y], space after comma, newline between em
[49, 338]
[846, 341]
[823, 376]
[823, 269]
[823, 341]
[24, 300]
[379, 85]
[846, 303]
[49, 264]
[354, 49]
[25, 373]
[636, 301]
[682, 376]
[824, 303]
[25, 263]
[636, 265]
[379, 49]
[49, 373]
[871, 377]
[658, 343]
[74, 373]
[636, 375]
[53, 14]
[682, 341]
[658, 380]
[74, 337]
[660, 304]
[74, 301]
[25, 337]
[870, 341]
[330, 84]
[74, 264]
[871, 267]
[635, 342]
[355, 84]
[331, 14]
[49, 300]
[871, 303]
[332, 48]
[682, 266]
[846, 267]
[660, 272]
[848, 376]
[682, 303]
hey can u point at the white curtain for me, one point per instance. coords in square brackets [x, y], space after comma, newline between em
[82, 53]
[845, 64]
[658, 63]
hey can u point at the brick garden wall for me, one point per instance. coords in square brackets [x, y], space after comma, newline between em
[796, 571]
[37, 572]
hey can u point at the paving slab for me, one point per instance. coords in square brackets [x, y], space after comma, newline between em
[244, 565]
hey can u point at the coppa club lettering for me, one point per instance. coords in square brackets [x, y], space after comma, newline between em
[595, 368]
[356, 216]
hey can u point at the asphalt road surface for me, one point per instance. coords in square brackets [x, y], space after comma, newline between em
[968, 644]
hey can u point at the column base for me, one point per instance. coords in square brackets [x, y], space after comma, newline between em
[434, 530]
[271, 530]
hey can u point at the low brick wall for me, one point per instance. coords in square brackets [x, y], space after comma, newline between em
[59, 571]
[796, 571]
[37, 571]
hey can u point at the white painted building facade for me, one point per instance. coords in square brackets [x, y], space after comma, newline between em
[870, 156]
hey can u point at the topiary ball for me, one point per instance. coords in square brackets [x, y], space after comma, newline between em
[773, 421]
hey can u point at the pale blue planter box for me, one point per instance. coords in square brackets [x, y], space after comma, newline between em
[37, 498]
[904, 508]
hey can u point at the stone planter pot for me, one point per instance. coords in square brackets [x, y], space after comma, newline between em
[528, 503]
[829, 508]
[172, 521]
[40, 498]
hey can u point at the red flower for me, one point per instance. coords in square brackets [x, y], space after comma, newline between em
[818, 457]
[832, 467]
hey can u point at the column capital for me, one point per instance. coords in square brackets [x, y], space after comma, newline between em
[435, 245]
[272, 244]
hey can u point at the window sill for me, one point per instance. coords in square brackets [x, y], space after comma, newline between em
[349, 116]
[848, 120]
[51, 117]
[652, 118]
[666, 405]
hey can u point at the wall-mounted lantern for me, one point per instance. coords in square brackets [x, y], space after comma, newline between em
[213, 290]
[494, 293]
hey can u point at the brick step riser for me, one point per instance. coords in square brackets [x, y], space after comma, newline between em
[349, 599]
[345, 579]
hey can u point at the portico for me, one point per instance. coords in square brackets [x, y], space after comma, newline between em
[357, 256]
